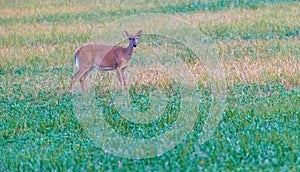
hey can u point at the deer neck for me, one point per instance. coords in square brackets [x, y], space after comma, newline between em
[129, 51]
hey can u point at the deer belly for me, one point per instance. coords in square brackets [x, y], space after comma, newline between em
[104, 68]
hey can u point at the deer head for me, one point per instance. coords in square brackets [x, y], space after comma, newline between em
[133, 39]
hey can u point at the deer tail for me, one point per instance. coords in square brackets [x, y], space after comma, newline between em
[77, 52]
[76, 61]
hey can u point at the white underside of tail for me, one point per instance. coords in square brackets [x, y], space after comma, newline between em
[76, 59]
[76, 62]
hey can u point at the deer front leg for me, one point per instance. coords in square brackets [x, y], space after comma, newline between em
[120, 77]
[123, 76]
[121, 73]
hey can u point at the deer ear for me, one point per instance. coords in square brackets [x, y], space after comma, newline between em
[126, 34]
[139, 33]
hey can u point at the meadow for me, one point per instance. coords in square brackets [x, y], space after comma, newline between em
[257, 44]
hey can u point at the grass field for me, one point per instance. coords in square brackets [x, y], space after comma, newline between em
[257, 43]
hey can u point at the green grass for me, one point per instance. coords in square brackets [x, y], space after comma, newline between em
[260, 128]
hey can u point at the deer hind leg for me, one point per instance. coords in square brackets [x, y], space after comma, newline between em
[121, 75]
[75, 77]
[83, 77]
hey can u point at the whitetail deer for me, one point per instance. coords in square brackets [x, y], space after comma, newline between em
[103, 57]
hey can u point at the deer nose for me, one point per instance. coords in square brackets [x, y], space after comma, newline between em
[134, 45]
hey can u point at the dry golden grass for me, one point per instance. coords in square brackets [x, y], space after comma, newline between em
[288, 14]
[34, 11]
[258, 61]
[258, 48]
[45, 29]
[259, 66]
[282, 14]
[51, 9]
[28, 51]
[247, 61]
[14, 55]
[243, 61]
[152, 77]
[246, 70]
